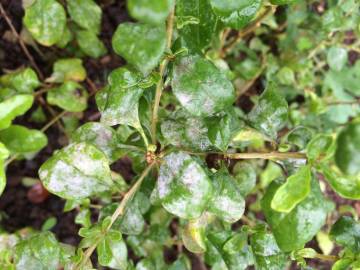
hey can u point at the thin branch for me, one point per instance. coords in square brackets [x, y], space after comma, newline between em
[160, 84]
[271, 155]
[249, 29]
[21, 42]
[118, 212]
[330, 258]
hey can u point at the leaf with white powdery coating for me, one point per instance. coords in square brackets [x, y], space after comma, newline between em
[45, 20]
[200, 87]
[76, 172]
[293, 191]
[183, 186]
[141, 45]
[271, 113]
[227, 203]
[68, 69]
[24, 81]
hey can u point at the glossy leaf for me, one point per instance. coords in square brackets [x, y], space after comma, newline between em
[346, 232]
[150, 11]
[13, 107]
[141, 45]
[39, 252]
[70, 69]
[101, 136]
[86, 13]
[200, 87]
[347, 154]
[2, 176]
[320, 147]
[24, 81]
[76, 171]
[271, 113]
[21, 140]
[183, 186]
[227, 202]
[337, 58]
[90, 44]
[199, 34]
[69, 96]
[236, 14]
[45, 20]
[267, 253]
[293, 191]
[346, 186]
[292, 230]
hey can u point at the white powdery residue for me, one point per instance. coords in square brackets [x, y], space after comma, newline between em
[231, 209]
[168, 171]
[65, 179]
[184, 98]
[85, 163]
[192, 177]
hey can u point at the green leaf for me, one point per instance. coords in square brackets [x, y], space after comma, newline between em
[182, 263]
[220, 131]
[24, 81]
[141, 45]
[2, 176]
[185, 131]
[183, 186]
[299, 136]
[76, 172]
[245, 177]
[193, 235]
[282, 2]
[321, 147]
[337, 58]
[13, 107]
[346, 232]
[119, 106]
[70, 69]
[228, 250]
[112, 251]
[199, 34]
[294, 229]
[45, 20]
[226, 7]
[267, 253]
[150, 11]
[69, 96]
[342, 264]
[101, 136]
[90, 44]
[293, 191]
[200, 87]
[236, 14]
[86, 13]
[4, 152]
[21, 140]
[347, 156]
[345, 185]
[227, 203]
[271, 113]
[39, 252]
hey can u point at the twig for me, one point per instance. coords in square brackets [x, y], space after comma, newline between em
[247, 30]
[330, 258]
[271, 155]
[118, 212]
[160, 84]
[21, 42]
